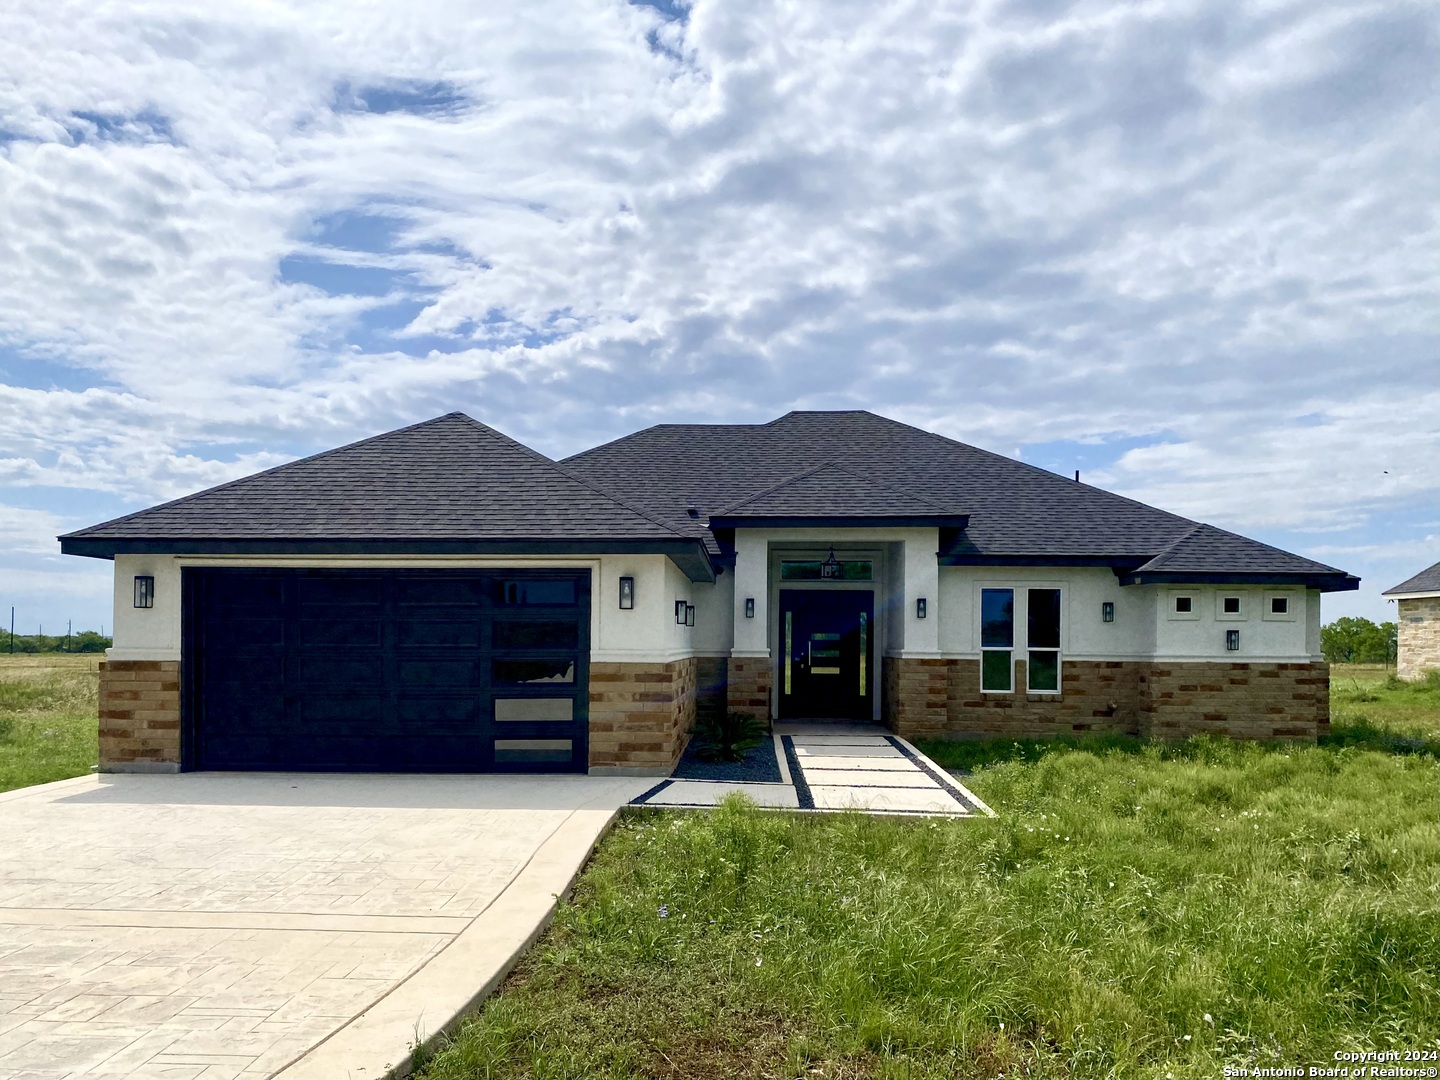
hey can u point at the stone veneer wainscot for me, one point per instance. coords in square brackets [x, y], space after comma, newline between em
[139, 715]
[640, 716]
[926, 698]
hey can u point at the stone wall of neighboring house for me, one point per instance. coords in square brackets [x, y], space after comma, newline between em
[942, 699]
[1418, 630]
[640, 716]
[139, 715]
[748, 688]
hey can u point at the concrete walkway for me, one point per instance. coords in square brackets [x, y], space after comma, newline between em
[860, 769]
[221, 925]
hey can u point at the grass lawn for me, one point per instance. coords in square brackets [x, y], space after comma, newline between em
[48, 718]
[1134, 911]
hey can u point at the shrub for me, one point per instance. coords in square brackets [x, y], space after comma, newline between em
[727, 737]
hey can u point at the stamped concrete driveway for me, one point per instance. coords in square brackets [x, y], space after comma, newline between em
[224, 925]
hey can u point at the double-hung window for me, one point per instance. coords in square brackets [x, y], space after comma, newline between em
[1042, 635]
[997, 639]
[1041, 644]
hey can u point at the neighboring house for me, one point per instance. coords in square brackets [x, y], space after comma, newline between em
[1417, 623]
[442, 597]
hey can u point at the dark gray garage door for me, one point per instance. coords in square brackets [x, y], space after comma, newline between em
[394, 671]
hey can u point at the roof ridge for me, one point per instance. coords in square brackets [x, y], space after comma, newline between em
[832, 463]
[264, 472]
[1032, 468]
[1170, 547]
[752, 496]
[583, 482]
[1205, 526]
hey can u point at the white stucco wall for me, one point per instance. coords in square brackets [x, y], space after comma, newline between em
[1144, 627]
[648, 633]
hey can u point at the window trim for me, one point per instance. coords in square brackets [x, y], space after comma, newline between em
[1288, 615]
[1020, 628]
[980, 636]
[1221, 615]
[1193, 615]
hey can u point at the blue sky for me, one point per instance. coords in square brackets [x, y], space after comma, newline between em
[1185, 248]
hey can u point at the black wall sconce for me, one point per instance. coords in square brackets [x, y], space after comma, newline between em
[680, 607]
[1107, 611]
[749, 607]
[627, 594]
[145, 591]
[1232, 640]
[920, 607]
[689, 614]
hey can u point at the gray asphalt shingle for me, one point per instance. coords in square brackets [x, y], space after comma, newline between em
[448, 478]
[454, 479]
[1428, 580]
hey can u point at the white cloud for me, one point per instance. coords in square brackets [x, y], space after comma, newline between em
[1014, 222]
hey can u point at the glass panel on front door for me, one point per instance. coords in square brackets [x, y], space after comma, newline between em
[825, 654]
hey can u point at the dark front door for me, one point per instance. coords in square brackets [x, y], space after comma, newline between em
[826, 640]
[389, 670]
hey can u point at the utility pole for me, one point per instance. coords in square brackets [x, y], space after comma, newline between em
[12, 629]
[68, 623]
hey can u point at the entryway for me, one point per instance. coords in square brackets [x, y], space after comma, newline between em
[826, 649]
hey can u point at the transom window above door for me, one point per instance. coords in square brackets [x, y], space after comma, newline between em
[811, 570]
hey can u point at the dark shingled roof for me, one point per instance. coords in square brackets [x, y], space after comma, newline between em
[453, 484]
[1204, 546]
[448, 479]
[833, 491]
[1428, 580]
[1017, 512]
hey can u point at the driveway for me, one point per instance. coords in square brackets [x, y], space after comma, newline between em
[224, 925]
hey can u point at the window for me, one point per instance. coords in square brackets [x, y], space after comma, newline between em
[535, 591]
[518, 634]
[1182, 606]
[997, 639]
[525, 672]
[856, 570]
[1278, 607]
[1230, 605]
[1042, 636]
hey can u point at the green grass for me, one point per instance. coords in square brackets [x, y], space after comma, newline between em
[48, 725]
[1126, 892]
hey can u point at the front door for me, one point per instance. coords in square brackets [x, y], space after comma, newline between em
[826, 639]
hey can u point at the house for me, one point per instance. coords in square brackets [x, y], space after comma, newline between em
[442, 597]
[1417, 623]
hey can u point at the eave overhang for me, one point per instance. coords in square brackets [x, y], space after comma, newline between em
[895, 521]
[687, 554]
[1337, 582]
[1118, 564]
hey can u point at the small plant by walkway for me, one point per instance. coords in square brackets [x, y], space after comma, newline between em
[1135, 911]
[48, 725]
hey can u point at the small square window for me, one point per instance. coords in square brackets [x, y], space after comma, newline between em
[1279, 605]
[1184, 605]
[1230, 605]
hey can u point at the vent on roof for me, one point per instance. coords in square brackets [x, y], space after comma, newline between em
[693, 511]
